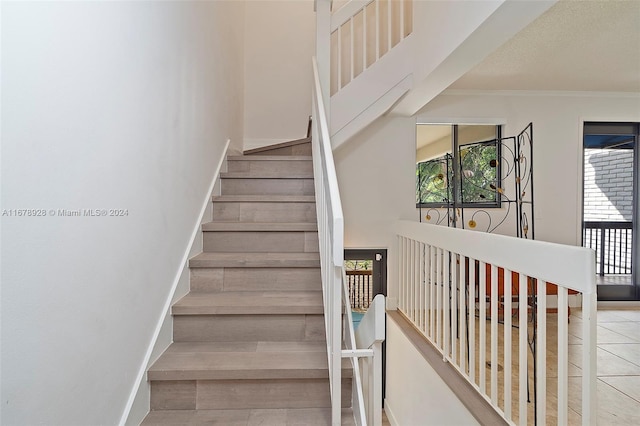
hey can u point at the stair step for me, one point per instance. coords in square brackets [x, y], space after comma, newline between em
[237, 184]
[270, 158]
[264, 417]
[243, 360]
[255, 260]
[248, 328]
[261, 241]
[264, 208]
[244, 394]
[271, 166]
[264, 198]
[250, 302]
[260, 226]
[255, 279]
[275, 173]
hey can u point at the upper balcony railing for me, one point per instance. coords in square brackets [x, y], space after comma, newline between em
[612, 242]
[364, 31]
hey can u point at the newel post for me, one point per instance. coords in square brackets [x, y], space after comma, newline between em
[323, 50]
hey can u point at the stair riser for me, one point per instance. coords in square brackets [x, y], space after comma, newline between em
[244, 394]
[264, 212]
[291, 167]
[220, 241]
[266, 186]
[248, 328]
[255, 279]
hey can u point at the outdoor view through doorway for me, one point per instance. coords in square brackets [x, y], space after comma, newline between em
[610, 206]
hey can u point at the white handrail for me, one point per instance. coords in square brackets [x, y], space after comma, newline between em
[452, 279]
[330, 236]
[337, 307]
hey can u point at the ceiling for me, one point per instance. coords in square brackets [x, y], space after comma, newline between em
[577, 45]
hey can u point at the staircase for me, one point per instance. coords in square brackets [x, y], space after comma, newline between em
[248, 339]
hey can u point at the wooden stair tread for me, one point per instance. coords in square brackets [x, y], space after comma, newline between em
[203, 362]
[249, 417]
[255, 260]
[261, 226]
[250, 302]
[270, 158]
[275, 174]
[265, 198]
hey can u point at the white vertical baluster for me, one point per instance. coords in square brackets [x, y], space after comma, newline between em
[446, 331]
[389, 25]
[523, 348]
[541, 351]
[408, 272]
[405, 276]
[364, 38]
[352, 55]
[454, 305]
[339, 57]
[472, 319]
[421, 287]
[402, 6]
[589, 377]
[432, 293]
[439, 283]
[494, 300]
[377, 35]
[427, 290]
[563, 355]
[416, 282]
[507, 342]
[463, 315]
[412, 280]
[400, 272]
[482, 355]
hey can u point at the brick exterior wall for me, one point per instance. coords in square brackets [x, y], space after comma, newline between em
[608, 184]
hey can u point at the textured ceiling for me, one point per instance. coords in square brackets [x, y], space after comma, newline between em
[576, 45]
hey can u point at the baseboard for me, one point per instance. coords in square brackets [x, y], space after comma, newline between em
[389, 412]
[138, 404]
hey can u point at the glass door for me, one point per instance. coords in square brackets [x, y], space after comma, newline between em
[610, 206]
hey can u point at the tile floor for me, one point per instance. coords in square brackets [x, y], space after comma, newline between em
[618, 373]
[618, 368]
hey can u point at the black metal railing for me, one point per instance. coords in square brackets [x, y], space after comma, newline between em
[612, 242]
[360, 289]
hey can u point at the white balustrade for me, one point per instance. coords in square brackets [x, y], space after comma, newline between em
[458, 287]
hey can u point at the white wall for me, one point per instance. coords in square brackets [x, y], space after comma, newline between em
[376, 176]
[376, 170]
[415, 393]
[105, 105]
[279, 44]
[557, 132]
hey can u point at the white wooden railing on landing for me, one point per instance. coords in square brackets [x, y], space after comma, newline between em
[453, 283]
[342, 341]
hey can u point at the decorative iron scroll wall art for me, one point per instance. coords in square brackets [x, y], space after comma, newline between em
[473, 185]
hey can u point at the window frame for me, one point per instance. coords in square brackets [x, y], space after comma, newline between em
[457, 194]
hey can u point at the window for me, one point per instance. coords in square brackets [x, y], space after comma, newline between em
[458, 164]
